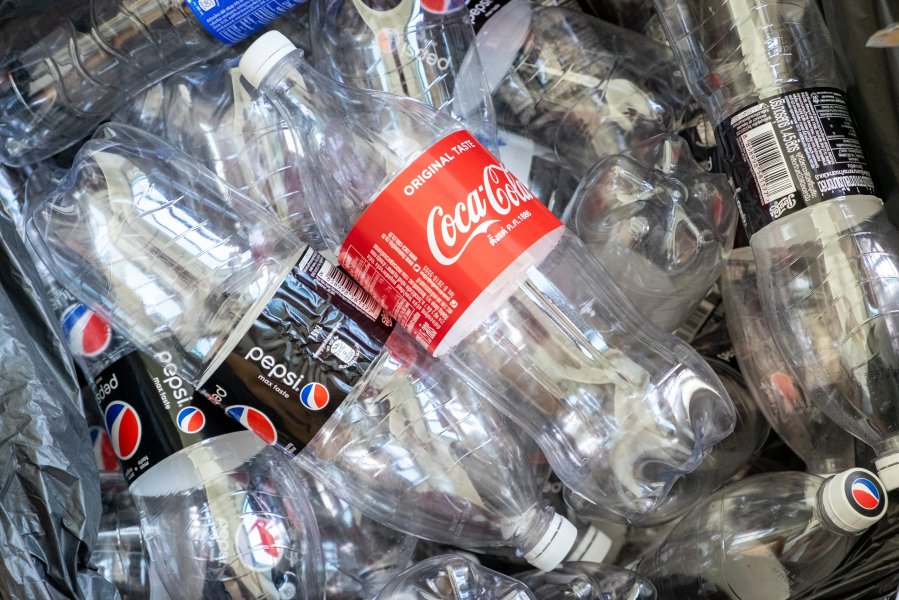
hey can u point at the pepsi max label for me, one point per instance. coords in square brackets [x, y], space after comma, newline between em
[150, 413]
[231, 21]
[865, 494]
[480, 12]
[792, 151]
[304, 354]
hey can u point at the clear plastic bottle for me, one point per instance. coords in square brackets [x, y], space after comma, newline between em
[213, 115]
[583, 87]
[588, 581]
[766, 537]
[827, 255]
[424, 50]
[453, 577]
[825, 447]
[660, 224]
[140, 230]
[619, 407]
[64, 71]
[361, 555]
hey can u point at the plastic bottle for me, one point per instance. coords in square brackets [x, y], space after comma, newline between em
[826, 448]
[660, 224]
[583, 87]
[826, 253]
[724, 461]
[301, 355]
[766, 537]
[588, 581]
[424, 50]
[619, 407]
[210, 112]
[65, 70]
[453, 577]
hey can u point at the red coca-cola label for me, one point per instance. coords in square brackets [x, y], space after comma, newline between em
[441, 233]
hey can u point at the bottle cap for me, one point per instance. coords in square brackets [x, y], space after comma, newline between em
[888, 471]
[593, 547]
[262, 56]
[555, 544]
[853, 500]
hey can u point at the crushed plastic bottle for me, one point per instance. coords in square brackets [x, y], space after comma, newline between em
[453, 577]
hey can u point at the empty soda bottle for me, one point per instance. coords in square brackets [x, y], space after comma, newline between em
[588, 581]
[766, 537]
[826, 448]
[583, 87]
[194, 271]
[424, 50]
[415, 204]
[826, 253]
[210, 112]
[64, 71]
[660, 224]
[453, 577]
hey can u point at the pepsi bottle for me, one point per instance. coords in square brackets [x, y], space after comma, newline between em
[222, 515]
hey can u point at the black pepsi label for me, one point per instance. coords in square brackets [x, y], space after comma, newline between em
[480, 12]
[304, 354]
[792, 151]
[150, 412]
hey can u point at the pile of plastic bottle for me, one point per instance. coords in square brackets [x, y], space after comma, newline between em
[414, 299]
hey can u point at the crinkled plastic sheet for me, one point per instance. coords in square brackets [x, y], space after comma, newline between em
[49, 486]
[13, 8]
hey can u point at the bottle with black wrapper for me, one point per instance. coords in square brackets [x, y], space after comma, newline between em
[222, 515]
[827, 256]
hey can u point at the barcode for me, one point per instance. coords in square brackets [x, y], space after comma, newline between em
[768, 163]
[697, 319]
[349, 290]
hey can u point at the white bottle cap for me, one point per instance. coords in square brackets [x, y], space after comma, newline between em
[593, 547]
[888, 470]
[555, 544]
[853, 500]
[262, 56]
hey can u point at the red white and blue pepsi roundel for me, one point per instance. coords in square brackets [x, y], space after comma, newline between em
[86, 333]
[103, 451]
[442, 6]
[254, 420]
[314, 396]
[866, 493]
[191, 419]
[124, 428]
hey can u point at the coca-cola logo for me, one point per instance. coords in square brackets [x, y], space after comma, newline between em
[451, 232]
[781, 206]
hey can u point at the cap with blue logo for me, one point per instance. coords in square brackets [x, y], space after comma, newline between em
[853, 500]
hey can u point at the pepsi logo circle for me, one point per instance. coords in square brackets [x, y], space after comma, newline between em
[260, 542]
[442, 6]
[124, 428]
[256, 421]
[314, 396]
[865, 494]
[191, 420]
[103, 451]
[86, 333]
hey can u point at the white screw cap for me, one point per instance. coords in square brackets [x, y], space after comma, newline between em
[594, 547]
[555, 544]
[888, 471]
[262, 56]
[853, 500]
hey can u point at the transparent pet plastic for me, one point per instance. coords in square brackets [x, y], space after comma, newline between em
[660, 224]
[453, 577]
[724, 460]
[414, 446]
[763, 538]
[64, 71]
[825, 447]
[408, 48]
[214, 116]
[828, 274]
[619, 407]
[360, 555]
[583, 87]
[588, 581]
